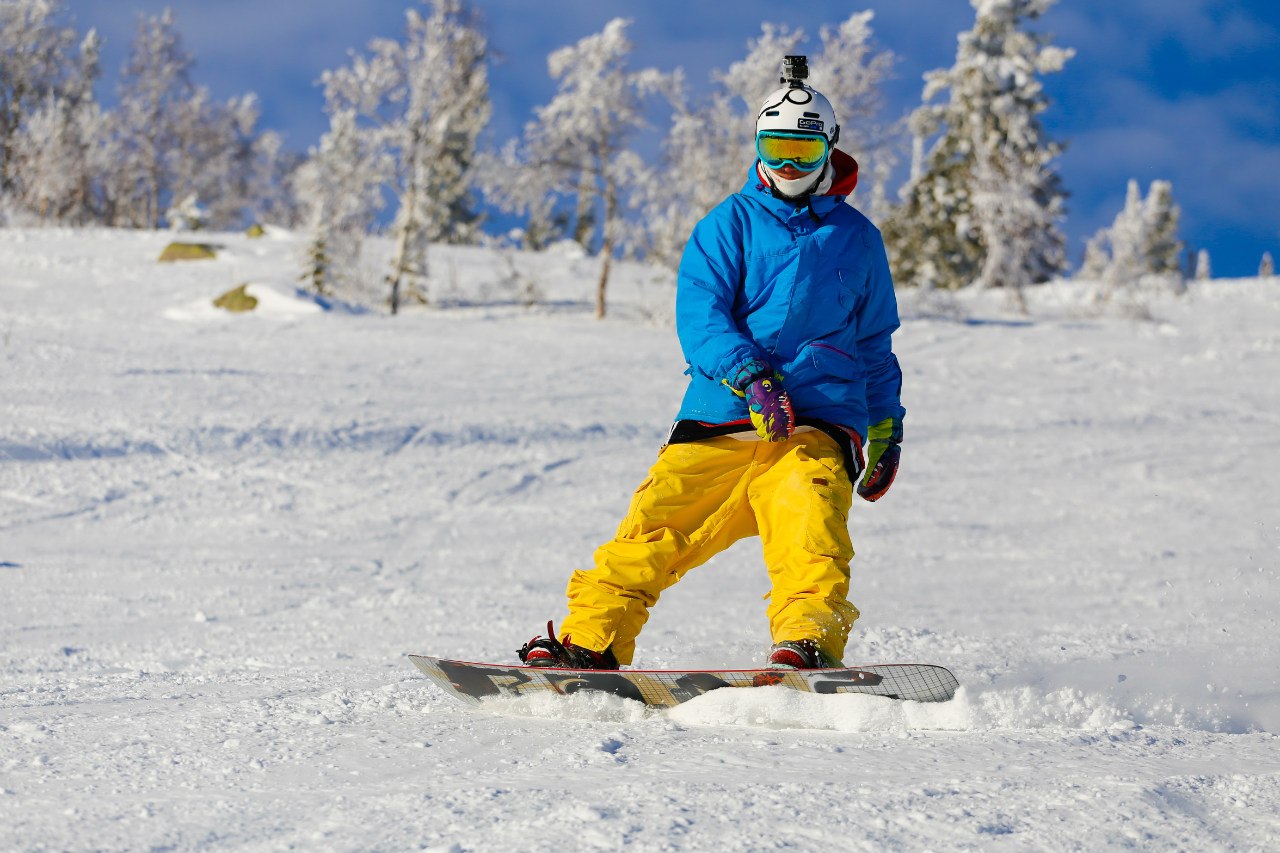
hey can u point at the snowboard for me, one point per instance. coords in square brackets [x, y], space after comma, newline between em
[473, 682]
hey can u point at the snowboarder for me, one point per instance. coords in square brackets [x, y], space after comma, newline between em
[785, 311]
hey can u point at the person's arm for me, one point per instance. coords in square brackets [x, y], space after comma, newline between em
[877, 321]
[710, 276]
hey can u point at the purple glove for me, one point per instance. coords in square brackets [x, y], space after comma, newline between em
[767, 402]
[770, 407]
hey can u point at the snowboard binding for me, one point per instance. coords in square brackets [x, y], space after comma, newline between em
[548, 651]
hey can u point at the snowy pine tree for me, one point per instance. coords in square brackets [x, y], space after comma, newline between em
[990, 123]
[1128, 238]
[1163, 249]
[1266, 267]
[1141, 246]
[1011, 224]
[424, 101]
[1204, 267]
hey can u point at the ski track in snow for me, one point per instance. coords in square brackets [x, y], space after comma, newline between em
[219, 535]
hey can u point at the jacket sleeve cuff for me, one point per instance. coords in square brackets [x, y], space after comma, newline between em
[748, 371]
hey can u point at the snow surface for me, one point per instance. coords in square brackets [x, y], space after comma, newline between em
[219, 534]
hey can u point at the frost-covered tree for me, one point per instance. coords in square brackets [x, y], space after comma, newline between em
[37, 68]
[231, 141]
[1143, 240]
[210, 159]
[339, 191]
[60, 149]
[155, 91]
[1118, 248]
[1140, 250]
[1163, 248]
[1011, 225]
[577, 146]
[224, 161]
[1204, 267]
[64, 159]
[424, 100]
[172, 141]
[270, 193]
[510, 184]
[1266, 267]
[989, 121]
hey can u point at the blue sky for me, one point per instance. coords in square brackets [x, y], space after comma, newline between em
[1184, 90]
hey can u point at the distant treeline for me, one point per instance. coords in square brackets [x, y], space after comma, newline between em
[982, 204]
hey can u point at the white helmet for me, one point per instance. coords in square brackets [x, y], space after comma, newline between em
[798, 108]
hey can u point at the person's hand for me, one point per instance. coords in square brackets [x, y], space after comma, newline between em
[884, 448]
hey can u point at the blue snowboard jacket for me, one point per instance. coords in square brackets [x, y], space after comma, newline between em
[806, 289]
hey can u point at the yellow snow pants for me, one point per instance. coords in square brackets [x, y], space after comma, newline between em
[699, 499]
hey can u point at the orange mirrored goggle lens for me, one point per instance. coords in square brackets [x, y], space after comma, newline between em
[804, 152]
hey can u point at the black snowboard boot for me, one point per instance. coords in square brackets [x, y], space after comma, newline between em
[548, 651]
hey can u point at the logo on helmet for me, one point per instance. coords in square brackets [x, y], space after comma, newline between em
[809, 124]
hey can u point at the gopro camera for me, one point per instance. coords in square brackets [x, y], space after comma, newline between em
[795, 70]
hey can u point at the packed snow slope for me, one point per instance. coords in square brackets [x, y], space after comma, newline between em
[219, 534]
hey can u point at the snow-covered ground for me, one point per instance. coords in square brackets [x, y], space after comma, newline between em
[220, 534]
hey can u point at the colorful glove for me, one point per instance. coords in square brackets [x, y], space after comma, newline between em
[767, 401]
[884, 448]
[771, 412]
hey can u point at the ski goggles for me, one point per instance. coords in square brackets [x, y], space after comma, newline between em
[805, 151]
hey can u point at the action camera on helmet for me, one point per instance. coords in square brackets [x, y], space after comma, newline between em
[795, 70]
